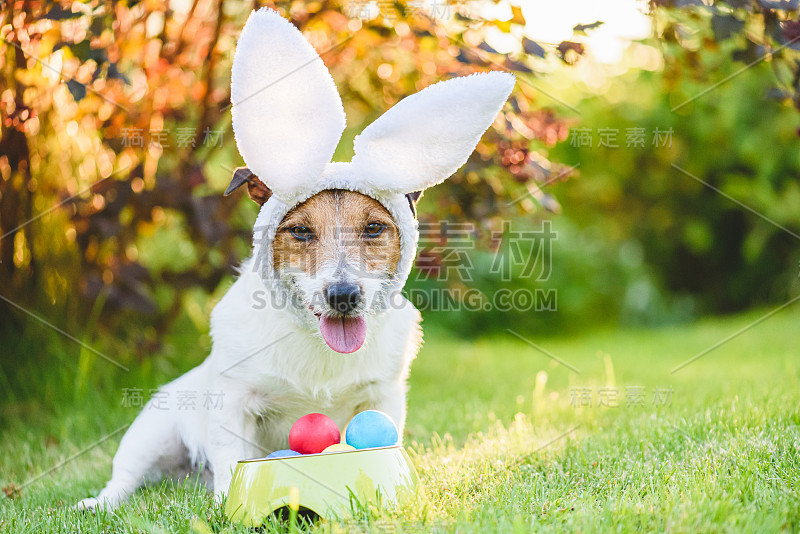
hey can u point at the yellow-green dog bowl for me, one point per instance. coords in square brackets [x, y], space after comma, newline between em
[324, 483]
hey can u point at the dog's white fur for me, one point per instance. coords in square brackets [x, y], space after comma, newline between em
[271, 371]
[268, 361]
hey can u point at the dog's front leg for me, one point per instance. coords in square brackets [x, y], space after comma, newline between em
[233, 436]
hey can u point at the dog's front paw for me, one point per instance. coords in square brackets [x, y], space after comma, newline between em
[87, 505]
[103, 501]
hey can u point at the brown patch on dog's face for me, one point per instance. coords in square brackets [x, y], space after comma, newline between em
[337, 255]
[338, 230]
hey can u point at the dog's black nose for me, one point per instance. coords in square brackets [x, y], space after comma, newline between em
[343, 296]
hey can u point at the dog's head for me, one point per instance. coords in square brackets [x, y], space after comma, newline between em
[337, 252]
[338, 236]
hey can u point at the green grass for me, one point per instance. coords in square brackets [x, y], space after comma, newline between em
[499, 441]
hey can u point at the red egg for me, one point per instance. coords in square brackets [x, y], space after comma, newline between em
[313, 433]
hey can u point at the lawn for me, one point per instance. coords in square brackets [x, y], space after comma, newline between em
[505, 438]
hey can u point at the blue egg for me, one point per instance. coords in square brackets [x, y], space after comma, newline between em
[371, 429]
[283, 453]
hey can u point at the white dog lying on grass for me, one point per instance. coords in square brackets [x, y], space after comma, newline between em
[315, 322]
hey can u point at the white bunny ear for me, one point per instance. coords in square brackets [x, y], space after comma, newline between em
[427, 136]
[287, 113]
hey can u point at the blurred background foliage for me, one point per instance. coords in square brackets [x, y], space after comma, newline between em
[116, 146]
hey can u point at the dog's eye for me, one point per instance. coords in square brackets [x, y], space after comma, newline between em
[374, 229]
[303, 233]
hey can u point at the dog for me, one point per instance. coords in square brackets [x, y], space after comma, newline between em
[316, 321]
[272, 370]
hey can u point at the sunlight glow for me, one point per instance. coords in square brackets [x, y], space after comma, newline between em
[623, 22]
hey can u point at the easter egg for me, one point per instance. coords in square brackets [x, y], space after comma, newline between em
[371, 429]
[313, 433]
[283, 453]
[339, 447]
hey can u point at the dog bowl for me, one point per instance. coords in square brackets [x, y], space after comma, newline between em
[325, 483]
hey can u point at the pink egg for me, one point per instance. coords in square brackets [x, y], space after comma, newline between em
[313, 433]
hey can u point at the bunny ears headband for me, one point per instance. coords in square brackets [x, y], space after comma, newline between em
[288, 119]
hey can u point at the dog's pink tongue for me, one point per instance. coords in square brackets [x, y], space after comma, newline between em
[343, 334]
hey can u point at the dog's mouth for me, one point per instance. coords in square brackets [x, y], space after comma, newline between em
[344, 334]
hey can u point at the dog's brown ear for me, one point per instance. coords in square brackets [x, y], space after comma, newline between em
[413, 197]
[257, 189]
